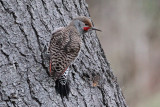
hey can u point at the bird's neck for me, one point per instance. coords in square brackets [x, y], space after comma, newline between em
[78, 26]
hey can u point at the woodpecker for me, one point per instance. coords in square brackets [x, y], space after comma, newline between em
[64, 47]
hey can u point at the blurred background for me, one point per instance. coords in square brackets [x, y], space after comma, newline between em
[131, 41]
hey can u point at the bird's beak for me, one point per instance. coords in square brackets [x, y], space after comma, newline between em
[93, 28]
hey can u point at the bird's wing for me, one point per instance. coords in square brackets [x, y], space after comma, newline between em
[64, 48]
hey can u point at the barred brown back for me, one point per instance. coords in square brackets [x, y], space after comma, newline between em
[64, 47]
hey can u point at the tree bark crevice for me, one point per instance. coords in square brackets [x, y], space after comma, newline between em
[31, 92]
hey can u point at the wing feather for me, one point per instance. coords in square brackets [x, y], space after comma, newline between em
[64, 48]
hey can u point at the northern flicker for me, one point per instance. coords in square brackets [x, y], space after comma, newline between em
[65, 44]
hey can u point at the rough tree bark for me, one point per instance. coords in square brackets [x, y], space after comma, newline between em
[25, 28]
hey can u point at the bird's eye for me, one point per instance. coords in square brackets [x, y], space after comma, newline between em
[86, 24]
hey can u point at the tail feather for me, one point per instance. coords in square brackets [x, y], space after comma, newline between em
[62, 88]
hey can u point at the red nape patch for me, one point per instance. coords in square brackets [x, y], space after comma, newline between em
[86, 28]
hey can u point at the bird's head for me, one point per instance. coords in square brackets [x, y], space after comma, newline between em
[83, 24]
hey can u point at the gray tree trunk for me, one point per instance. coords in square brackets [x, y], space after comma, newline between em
[25, 28]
